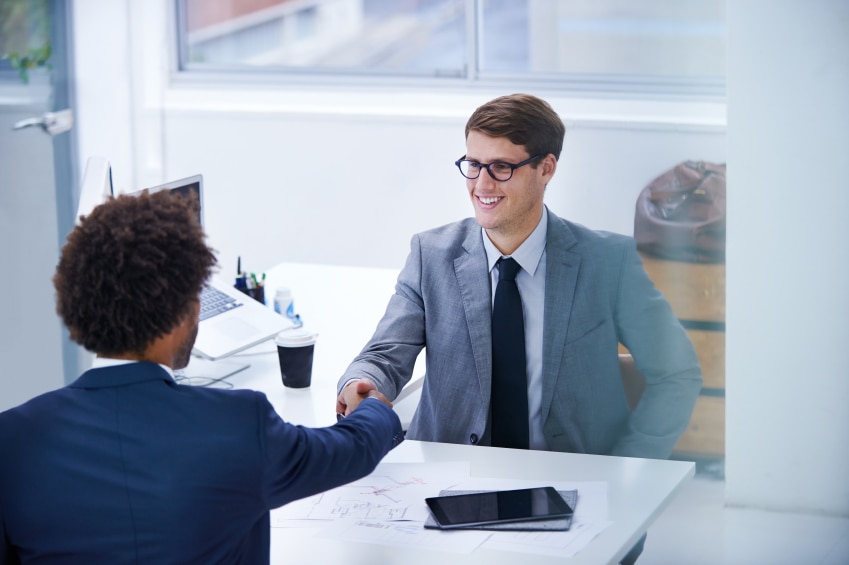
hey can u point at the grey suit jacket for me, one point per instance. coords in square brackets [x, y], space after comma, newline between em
[597, 295]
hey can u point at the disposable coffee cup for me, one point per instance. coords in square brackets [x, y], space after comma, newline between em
[295, 349]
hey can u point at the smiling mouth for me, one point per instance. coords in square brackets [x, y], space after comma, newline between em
[489, 200]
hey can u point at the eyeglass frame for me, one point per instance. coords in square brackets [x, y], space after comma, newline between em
[488, 165]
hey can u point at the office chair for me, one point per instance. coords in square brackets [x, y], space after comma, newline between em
[632, 380]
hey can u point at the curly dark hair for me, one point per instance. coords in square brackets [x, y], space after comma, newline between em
[131, 271]
[525, 120]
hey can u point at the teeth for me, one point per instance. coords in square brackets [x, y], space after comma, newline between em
[491, 200]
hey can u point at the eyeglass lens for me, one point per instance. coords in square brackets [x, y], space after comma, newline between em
[498, 170]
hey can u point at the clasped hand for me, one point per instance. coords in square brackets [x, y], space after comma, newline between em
[355, 392]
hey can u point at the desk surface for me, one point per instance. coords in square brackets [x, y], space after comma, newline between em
[344, 304]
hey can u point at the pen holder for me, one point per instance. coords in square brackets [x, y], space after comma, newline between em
[257, 293]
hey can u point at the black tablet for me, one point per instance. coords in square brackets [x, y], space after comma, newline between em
[498, 507]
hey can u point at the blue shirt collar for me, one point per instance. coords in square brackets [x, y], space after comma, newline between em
[529, 253]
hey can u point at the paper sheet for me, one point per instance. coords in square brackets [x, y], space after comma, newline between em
[404, 534]
[562, 544]
[387, 507]
[394, 491]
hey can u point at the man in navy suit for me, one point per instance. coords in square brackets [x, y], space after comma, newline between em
[124, 465]
[583, 292]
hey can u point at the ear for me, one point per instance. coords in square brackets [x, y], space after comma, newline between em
[548, 166]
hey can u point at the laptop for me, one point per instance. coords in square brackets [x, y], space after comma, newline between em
[230, 321]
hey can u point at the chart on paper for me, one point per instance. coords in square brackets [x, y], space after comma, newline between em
[363, 503]
[394, 491]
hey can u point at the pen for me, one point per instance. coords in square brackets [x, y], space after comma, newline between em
[241, 279]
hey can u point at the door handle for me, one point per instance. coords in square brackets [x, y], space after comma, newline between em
[53, 123]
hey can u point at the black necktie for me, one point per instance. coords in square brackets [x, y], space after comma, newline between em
[509, 374]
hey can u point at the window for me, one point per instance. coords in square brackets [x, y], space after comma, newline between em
[660, 46]
[24, 37]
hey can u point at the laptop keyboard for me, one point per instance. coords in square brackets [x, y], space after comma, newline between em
[214, 302]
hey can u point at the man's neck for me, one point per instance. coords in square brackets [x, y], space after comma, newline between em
[508, 240]
[159, 352]
[505, 244]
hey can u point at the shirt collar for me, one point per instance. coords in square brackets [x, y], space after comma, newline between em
[119, 373]
[529, 253]
[102, 362]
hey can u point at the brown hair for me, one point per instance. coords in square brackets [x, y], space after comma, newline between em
[131, 271]
[523, 119]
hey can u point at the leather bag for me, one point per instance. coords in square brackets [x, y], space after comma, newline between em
[680, 215]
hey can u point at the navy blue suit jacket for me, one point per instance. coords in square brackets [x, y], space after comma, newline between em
[126, 466]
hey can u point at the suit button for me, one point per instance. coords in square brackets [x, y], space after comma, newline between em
[474, 439]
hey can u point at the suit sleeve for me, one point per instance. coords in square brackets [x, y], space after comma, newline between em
[303, 461]
[388, 359]
[663, 354]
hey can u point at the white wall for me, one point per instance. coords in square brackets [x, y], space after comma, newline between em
[102, 77]
[787, 369]
[352, 188]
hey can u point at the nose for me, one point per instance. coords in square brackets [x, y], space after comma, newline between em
[484, 180]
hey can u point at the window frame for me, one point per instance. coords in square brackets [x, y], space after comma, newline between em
[602, 85]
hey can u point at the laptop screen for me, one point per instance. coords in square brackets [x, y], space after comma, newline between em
[183, 187]
[96, 186]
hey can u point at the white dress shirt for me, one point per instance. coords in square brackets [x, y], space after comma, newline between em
[101, 362]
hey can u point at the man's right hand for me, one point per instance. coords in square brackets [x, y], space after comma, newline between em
[355, 392]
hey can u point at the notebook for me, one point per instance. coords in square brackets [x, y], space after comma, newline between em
[230, 321]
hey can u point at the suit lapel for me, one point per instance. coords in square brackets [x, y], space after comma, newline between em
[472, 276]
[562, 267]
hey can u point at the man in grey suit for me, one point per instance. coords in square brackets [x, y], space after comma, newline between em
[583, 293]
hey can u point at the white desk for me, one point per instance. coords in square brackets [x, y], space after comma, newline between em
[344, 304]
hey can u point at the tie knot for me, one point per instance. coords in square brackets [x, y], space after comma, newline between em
[508, 268]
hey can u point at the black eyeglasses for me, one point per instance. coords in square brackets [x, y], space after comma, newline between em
[498, 170]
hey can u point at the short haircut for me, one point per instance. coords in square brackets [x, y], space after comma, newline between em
[131, 272]
[523, 119]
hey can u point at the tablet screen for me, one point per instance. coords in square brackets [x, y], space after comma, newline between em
[498, 507]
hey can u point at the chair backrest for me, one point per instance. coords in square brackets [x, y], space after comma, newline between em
[632, 380]
[407, 401]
